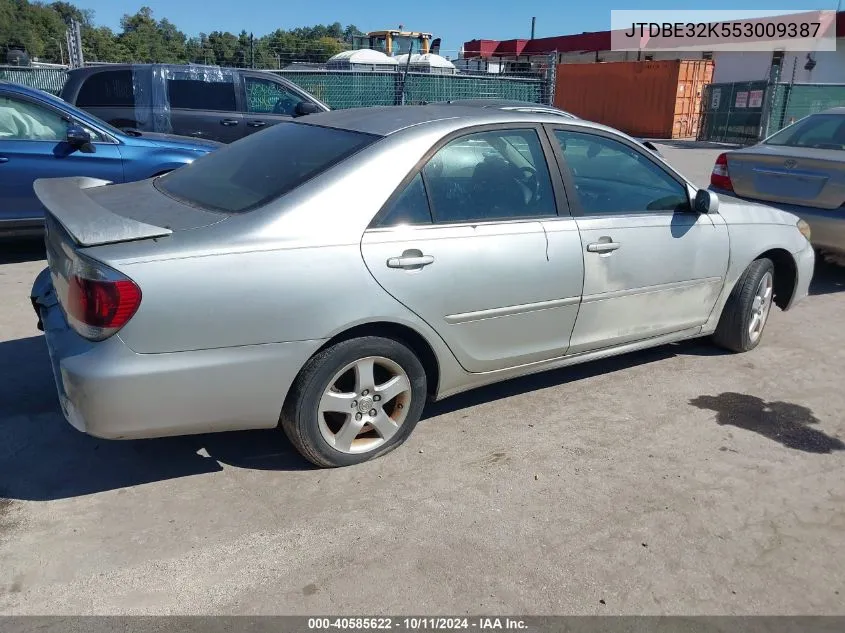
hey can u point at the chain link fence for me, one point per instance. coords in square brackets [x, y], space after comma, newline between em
[747, 112]
[791, 102]
[341, 89]
[733, 112]
[48, 79]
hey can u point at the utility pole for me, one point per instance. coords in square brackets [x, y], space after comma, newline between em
[252, 50]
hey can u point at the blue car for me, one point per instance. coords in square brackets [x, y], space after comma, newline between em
[42, 136]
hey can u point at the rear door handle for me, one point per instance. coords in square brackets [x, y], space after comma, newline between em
[228, 122]
[257, 123]
[4, 159]
[603, 247]
[410, 262]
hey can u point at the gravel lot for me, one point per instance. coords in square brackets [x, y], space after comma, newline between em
[676, 481]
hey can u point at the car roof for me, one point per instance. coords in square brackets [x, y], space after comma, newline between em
[386, 120]
[504, 104]
[132, 66]
[493, 103]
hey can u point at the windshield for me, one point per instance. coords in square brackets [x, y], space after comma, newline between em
[262, 167]
[820, 131]
[402, 44]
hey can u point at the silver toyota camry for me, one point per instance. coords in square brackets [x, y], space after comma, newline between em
[331, 275]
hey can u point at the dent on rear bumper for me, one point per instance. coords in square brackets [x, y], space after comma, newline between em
[109, 391]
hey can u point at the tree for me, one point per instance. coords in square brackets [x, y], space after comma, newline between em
[40, 29]
[351, 31]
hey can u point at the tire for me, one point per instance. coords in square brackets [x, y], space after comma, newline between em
[335, 394]
[734, 331]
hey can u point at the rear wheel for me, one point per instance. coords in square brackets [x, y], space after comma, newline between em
[354, 401]
[747, 310]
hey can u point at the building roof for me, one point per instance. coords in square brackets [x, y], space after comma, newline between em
[586, 42]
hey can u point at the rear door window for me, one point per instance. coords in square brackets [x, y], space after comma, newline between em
[490, 176]
[196, 94]
[261, 167]
[107, 89]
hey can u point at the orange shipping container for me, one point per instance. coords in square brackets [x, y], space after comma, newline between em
[647, 99]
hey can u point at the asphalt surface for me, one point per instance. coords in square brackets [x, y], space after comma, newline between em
[681, 480]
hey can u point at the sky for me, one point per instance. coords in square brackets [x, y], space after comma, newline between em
[454, 21]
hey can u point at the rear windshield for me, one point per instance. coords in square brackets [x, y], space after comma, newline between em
[820, 131]
[262, 167]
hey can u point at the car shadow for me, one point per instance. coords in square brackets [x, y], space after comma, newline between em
[24, 249]
[827, 278]
[573, 373]
[43, 458]
[787, 423]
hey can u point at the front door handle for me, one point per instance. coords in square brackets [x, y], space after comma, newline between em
[410, 262]
[4, 159]
[257, 123]
[603, 247]
[228, 122]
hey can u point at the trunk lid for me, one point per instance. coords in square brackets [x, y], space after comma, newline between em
[93, 212]
[803, 176]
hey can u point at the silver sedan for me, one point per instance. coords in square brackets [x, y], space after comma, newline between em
[800, 169]
[334, 274]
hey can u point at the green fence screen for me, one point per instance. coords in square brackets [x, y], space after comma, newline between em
[791, 102]
[341, 89]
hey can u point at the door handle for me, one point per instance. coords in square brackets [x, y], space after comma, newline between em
[257, 123]
[603, 247]
[228, 122]
[196, 133]
[410, 262]
[4, 159]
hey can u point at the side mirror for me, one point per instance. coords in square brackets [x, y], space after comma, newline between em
[77, 136]
[706, 201]
[305, 107]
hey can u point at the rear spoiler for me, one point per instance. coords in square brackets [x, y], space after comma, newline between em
[88, 223]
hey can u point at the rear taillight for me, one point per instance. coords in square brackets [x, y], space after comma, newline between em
[720, 178]
[99, 300]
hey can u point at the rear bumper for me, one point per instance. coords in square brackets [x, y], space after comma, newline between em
[109, 391]
[826, 225]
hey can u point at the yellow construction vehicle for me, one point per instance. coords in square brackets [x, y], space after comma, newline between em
[397, 42]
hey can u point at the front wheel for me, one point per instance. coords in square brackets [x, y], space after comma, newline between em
[747, 310]
[354, 401]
